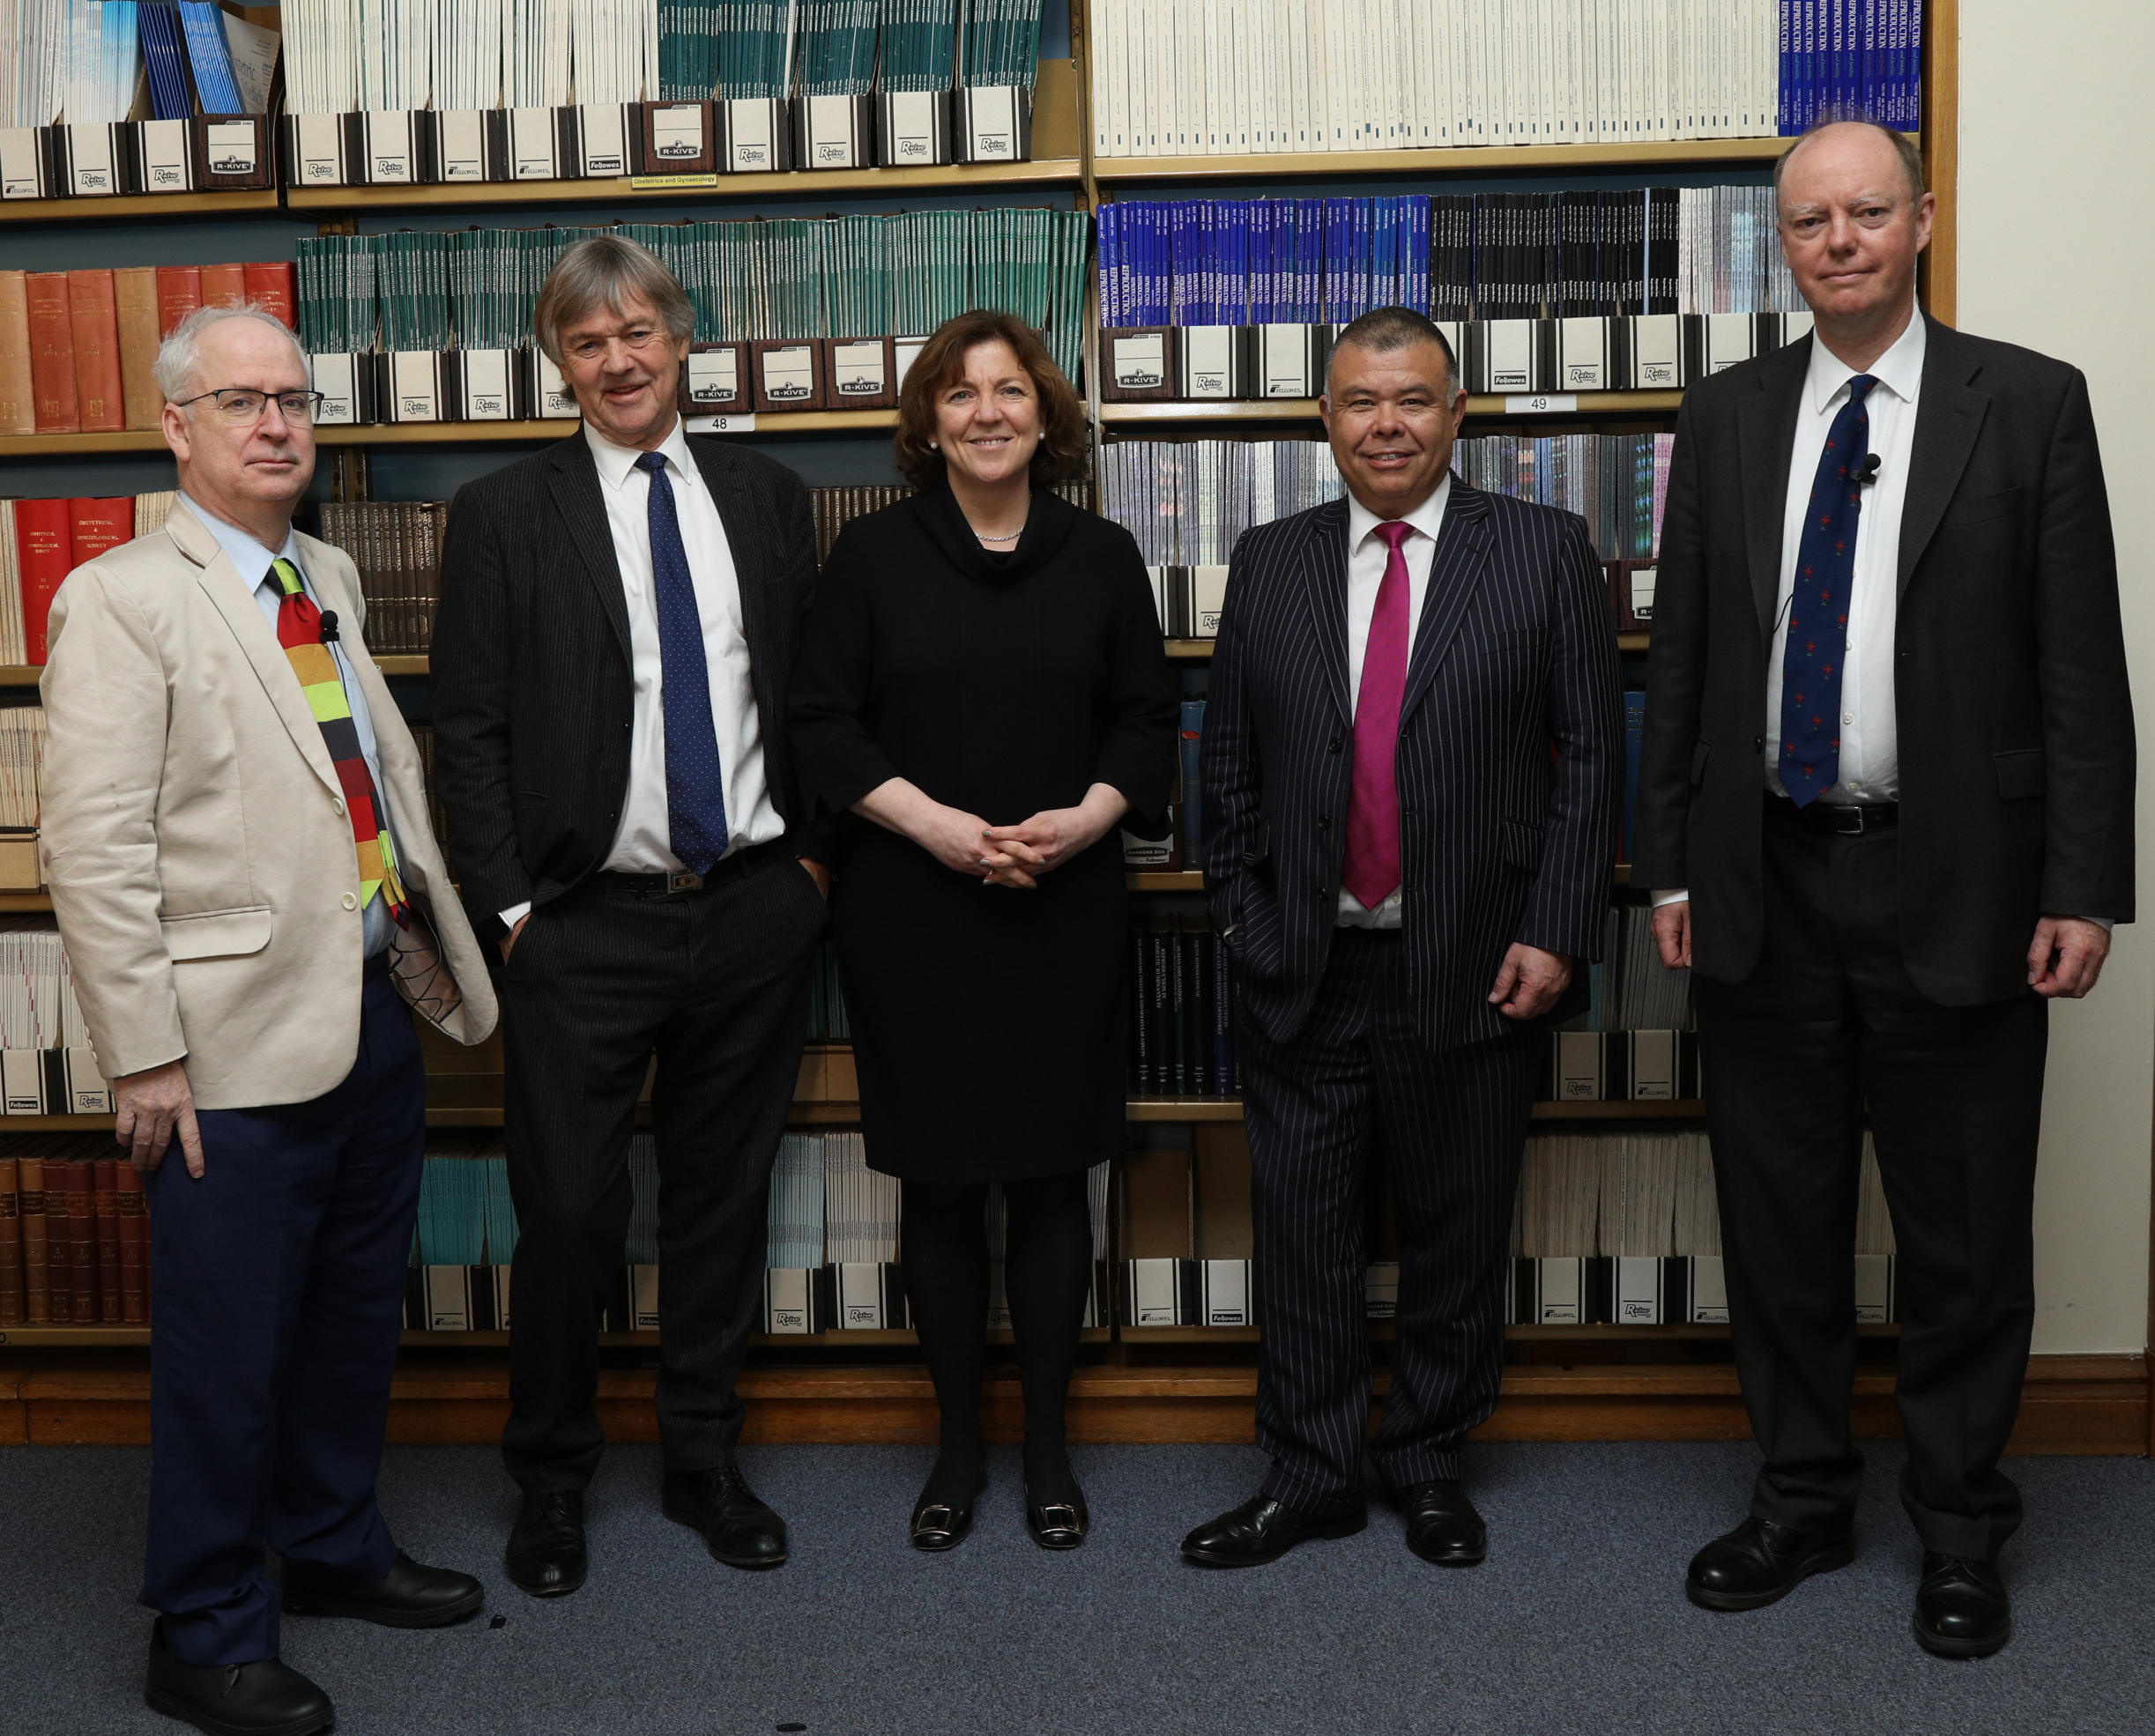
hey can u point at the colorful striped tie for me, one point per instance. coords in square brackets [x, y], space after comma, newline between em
[299, 630]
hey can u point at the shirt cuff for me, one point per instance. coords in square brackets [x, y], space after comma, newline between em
[1681, 895]
[515, 913]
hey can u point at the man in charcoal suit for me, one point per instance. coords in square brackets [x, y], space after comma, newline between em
[618, 619]
[236, 832]
[1886, 797]
[1411, 768]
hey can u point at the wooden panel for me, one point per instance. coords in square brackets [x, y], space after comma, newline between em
[1305, 409]
[200, 206]
[1942, 157]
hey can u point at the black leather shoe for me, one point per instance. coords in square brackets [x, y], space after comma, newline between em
[738, 1529]
[1262, 1530]
[1961, 1609]
[546, 1555]
[1056, 1524]
[260, 1699]
[408, 1596]
[1760, 1562]
[938, 1527]
[1442, 1526]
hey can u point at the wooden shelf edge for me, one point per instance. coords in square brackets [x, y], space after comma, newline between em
[103, 209]
[1466, 159]
[1305, 409]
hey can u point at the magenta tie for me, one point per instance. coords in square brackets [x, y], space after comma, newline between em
[1373, 809]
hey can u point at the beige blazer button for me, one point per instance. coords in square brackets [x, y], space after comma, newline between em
[337, 802]
[351, 900]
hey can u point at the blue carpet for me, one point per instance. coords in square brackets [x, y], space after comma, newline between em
[1577, 1623]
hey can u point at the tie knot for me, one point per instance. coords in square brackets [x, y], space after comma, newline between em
[1858, 388]
[1394, 531]
[653, 462]
[286, 575]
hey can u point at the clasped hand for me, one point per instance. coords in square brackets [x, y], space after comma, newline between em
[1010, 856]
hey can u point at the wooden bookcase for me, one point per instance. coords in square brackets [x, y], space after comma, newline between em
[90, 1384]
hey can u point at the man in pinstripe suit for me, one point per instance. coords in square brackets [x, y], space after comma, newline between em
[1411, 769]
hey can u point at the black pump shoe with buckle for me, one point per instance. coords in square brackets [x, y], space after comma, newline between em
[1056, 1524]
[937, 1525]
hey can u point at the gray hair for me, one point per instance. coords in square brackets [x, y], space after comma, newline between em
[179, 355]
[1383, 329]
[1904, 147]
[605, 272]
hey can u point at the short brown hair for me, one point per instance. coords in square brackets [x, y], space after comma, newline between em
[603, 271]
[1904, 147]
[941, 365]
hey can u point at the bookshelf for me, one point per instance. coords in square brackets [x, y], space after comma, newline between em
[1148, 1384]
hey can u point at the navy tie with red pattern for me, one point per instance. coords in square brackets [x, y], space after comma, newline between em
[1818, 606]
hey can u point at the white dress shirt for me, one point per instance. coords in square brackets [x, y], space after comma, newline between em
[252, 560]
[1869, 745]
[641, 843]
[1367, 556]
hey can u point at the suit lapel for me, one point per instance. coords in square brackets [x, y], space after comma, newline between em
[1765, 438]
[1949, 416]
[584, 509]
[221, 583]
[1324, 581]
[1455, 573]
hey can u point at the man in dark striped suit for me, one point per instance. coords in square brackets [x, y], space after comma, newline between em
[1411, 768]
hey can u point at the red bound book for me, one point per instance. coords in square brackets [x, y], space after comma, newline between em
[44, 551]
[95, 526]
[111, 1309]
[275, 285]
[223, 284]
[179, 292]
[134, 1248]
[82, 1236]
[56, 1288]
[94, 317]
[52, 353]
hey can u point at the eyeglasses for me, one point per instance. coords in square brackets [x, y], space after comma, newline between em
[241, 404]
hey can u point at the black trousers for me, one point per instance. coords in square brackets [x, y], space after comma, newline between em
[1357, 1085]
[714, 984]
[1828, 1025]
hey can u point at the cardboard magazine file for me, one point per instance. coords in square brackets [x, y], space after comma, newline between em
[1137, 363]
[1291, 359]
[1655, 351]
[229, 150]
[320, 149]
[859, 374]
[93, 160]
[473, 145]
[1511, 355]
[535, 150]
[914, 128]
[485, 385]
[601, 140]
[788, 374]
[833, 132]
[715, 381]
[18, 865]
[755, 135]
[420, 386]
[29, 167]
[1631, 593]
[994, 124]
[677, 138]
[395, 147]
[1215, 361]
[1590, 355]
[346, 382]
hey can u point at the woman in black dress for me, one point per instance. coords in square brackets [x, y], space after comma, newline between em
[982, 694]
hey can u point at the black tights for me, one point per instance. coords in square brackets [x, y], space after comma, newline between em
[1047, 1270]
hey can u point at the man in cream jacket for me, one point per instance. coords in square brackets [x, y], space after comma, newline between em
[235, 834]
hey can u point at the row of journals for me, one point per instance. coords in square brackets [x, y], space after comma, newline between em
[1709, 249]
[74, 1236]
[471, 90]
[22, 760]
[794, 277]
[1631, 988]
[1188, 502]
[1616, 353]
[1213, 77]
[78, 349]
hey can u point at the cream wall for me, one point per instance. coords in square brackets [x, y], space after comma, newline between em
[2057, 252]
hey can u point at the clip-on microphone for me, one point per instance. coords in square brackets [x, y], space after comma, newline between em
[1867, 472]
[328, 626]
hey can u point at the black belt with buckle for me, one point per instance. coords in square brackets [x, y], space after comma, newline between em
[658, 885]
[1849, 821]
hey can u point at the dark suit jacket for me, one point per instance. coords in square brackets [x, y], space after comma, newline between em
[533, 695]
[1510, 759]
[2013, 711]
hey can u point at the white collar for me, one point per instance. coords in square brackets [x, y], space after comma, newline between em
[616, 462]
[248, 558]
[1899, 370]
[1428, 518]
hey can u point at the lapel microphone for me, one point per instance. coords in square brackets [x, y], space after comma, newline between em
[329, 626]
[1868, 473]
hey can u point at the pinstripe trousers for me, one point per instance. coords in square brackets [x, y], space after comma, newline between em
[1356, 1084]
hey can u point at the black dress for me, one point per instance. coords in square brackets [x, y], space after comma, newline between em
[989, 1022]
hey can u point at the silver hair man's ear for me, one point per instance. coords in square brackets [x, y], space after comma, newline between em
[178, 355]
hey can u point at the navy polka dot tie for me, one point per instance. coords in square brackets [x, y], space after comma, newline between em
[696, 790]
[1818, 641]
